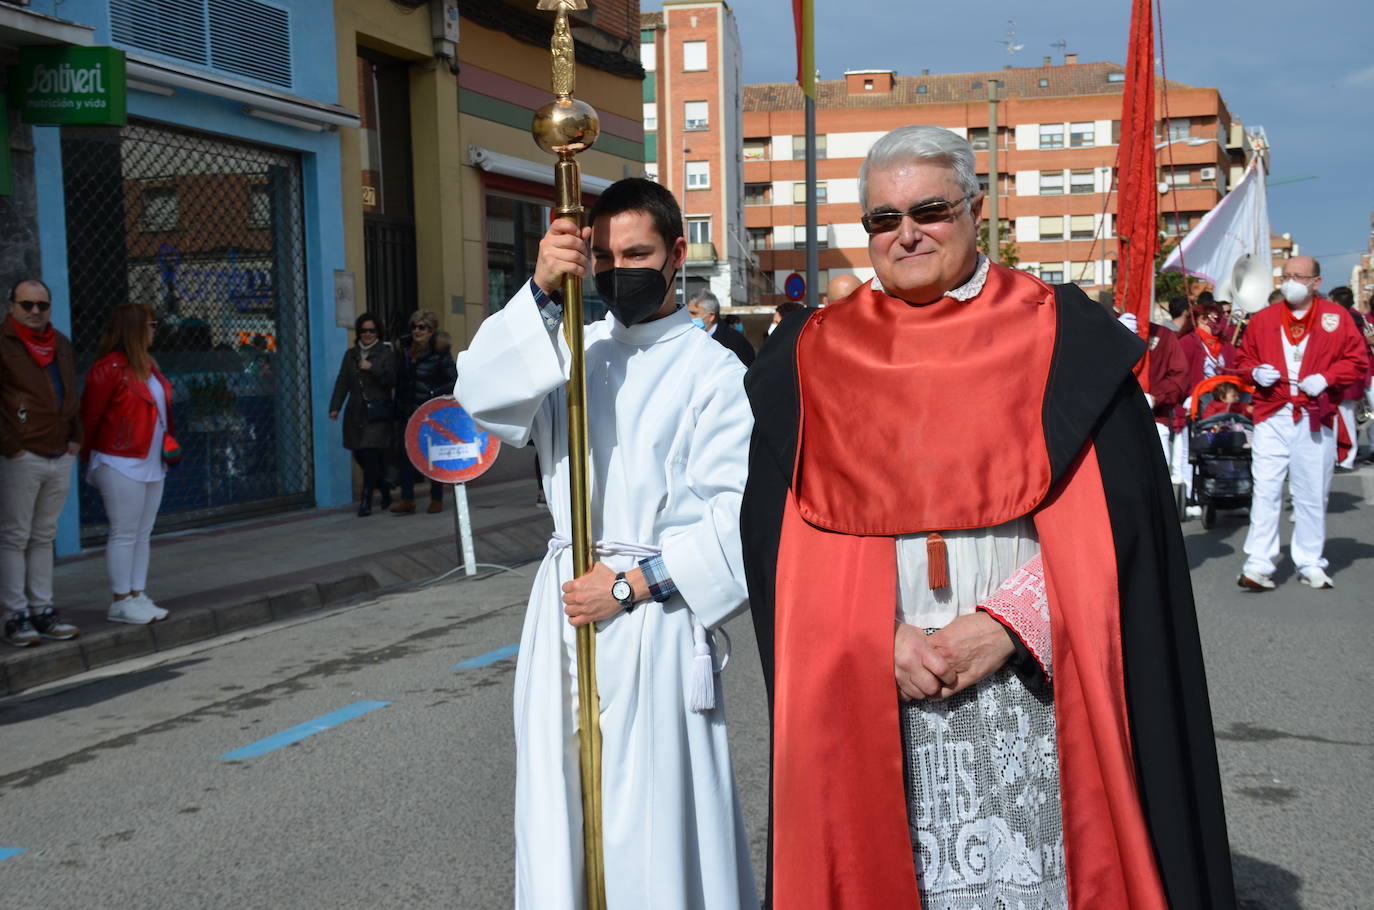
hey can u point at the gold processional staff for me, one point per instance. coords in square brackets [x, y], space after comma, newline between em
[564, 127]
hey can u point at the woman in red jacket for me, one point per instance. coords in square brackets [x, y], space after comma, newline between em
[126, 410]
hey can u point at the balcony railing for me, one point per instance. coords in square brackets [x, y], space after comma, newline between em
[701, 252]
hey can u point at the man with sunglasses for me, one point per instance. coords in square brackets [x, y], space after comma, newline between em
[40, 436]
[971, 597]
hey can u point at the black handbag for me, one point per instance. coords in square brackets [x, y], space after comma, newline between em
[382, 410]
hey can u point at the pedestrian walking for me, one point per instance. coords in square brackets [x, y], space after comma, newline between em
[669, 428]
[425, 370]
[1300, 354]
[40, 436]
[126, 412]
[366, 380]
[983, 658]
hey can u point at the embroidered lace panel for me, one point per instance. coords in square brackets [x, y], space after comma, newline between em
[982, 783]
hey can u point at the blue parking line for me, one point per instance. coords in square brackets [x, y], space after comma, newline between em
[491, 657]
[7, 852]
[302, 731]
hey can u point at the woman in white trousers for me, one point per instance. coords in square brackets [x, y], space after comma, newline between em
[126, 411]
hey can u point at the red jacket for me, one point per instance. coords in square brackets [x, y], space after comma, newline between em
[1168, 373]
[117, 410]
[1335, 349]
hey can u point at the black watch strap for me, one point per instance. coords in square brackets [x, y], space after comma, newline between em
[627, 602]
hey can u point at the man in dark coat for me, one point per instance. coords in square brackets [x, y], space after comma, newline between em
[969, 586]
[705, 311]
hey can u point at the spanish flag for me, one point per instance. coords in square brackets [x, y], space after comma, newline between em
[805, 20]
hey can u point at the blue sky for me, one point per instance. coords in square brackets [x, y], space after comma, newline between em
[1305, 73]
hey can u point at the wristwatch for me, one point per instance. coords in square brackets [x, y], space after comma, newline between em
[623, 593]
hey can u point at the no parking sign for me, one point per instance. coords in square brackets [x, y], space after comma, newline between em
[445, 444]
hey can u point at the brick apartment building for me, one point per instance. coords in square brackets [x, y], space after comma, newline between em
[693, 100]
[1059, 126]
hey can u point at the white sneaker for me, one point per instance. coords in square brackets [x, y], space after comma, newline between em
[1192, 512]
[1315, 578]
[1255, 581]
[130, 610]
[147, 601]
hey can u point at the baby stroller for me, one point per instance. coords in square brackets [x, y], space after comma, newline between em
[1219, 450]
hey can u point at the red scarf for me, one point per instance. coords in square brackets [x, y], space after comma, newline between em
[1209, 341]
[42, 345]
[1295, 328]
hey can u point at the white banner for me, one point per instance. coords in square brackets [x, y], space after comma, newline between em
[1232, 240]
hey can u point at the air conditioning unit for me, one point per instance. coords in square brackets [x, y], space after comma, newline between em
[1207, 173]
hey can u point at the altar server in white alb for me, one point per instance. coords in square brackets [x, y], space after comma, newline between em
[1301, 354]
[669, 438]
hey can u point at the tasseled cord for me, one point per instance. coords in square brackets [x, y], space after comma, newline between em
[937, 561]
[702, 694]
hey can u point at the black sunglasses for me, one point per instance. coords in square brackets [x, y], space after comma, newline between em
[29, 305]
[366, 331]
[935, 212]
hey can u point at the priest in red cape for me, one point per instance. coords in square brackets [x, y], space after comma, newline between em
[969, 586]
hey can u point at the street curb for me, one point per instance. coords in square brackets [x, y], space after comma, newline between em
[271, 600]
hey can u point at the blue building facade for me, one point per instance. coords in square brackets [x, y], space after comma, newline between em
[219, 205]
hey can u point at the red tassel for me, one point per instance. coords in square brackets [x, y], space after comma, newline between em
[937, 561]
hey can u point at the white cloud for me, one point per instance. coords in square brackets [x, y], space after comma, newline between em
[1360, 77]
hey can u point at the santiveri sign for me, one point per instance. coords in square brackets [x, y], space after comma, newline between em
[72, 86]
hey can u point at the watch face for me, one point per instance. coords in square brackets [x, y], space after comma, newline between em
[621, 590]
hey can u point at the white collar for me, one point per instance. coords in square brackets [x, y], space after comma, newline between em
[966, 291]
[646, 333]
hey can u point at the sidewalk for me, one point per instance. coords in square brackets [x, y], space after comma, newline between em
[217, 580]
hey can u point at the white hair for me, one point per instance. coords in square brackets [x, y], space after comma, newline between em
[708, 302]
[912, 144]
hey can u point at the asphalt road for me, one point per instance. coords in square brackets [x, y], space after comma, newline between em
[117, 790]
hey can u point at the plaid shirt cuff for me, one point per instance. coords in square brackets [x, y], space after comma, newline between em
[661, 586]
[549, 309]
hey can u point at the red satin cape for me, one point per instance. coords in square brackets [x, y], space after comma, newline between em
[972, 455]
[841, 839]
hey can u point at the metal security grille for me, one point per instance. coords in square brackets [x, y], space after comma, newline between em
[207, 231]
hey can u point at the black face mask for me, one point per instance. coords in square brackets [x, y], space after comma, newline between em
[632, 295]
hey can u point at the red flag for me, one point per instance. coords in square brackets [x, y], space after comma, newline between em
[1137, 200]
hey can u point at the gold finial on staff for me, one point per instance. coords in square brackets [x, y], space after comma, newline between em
[564, 127]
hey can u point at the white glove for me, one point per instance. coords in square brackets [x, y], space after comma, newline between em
[1150, 399]
[1313, 385]
[1265, 375]
[1130, 322]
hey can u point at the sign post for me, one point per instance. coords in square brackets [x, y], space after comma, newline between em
[445, 444]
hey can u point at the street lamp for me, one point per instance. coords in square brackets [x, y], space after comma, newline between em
[685, 152]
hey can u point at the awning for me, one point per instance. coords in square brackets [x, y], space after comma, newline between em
[22, 28]
[258, 101]
[524, 169]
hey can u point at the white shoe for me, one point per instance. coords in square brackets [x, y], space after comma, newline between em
[1315, 578]
[1255, 581]
[1192, 511]
[130, 610]
[147, 601]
